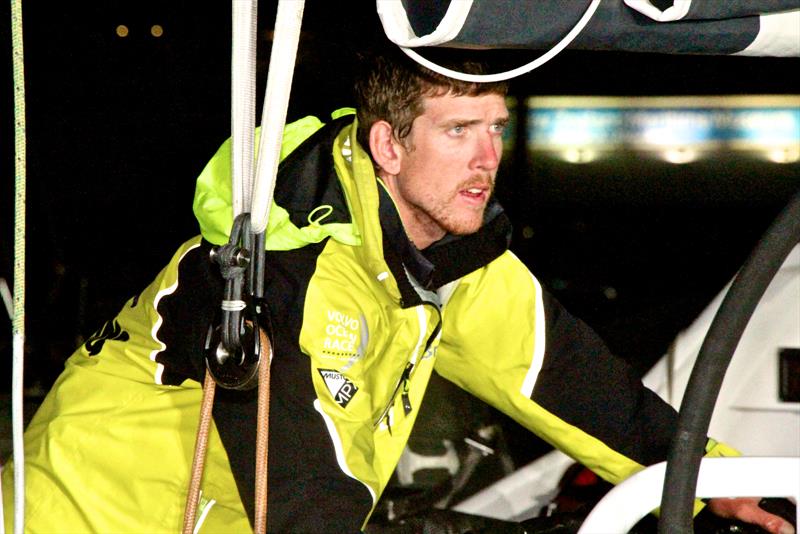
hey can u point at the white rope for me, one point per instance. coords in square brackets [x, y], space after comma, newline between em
[18, 321]
[395, 36]
[243, 102]
[276, 104]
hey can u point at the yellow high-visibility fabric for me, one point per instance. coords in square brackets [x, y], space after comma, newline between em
[100, 409]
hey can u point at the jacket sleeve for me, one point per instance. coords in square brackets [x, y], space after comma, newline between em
[526, 355]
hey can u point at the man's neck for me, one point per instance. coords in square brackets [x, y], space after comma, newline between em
[420, 230]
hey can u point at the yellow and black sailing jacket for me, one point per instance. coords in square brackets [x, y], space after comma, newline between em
[359, 320]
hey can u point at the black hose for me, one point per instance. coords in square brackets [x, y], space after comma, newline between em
[688, 445]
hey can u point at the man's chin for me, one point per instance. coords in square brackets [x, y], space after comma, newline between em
[465, 228]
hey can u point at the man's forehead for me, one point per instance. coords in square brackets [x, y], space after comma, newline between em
[491, 106]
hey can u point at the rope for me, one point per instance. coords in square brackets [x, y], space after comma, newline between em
[243, 103]
[276, 104]
[262, 443]
[255, 201]
[18, 322]
[199, 460]
[387, 9]
[262, 434]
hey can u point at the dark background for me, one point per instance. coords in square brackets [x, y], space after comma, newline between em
[119, 128]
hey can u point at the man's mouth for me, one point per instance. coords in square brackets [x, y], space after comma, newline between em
[476, 192]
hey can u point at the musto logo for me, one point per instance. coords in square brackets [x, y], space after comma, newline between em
[339, 386]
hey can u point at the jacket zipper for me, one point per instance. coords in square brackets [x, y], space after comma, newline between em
[402, 385]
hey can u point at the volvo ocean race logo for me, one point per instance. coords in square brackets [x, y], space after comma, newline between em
[110, 331]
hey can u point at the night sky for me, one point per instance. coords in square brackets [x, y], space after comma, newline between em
[119, 128]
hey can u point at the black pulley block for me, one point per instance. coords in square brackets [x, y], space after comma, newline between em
[235, 368]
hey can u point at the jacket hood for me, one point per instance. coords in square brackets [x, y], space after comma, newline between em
[303, 211]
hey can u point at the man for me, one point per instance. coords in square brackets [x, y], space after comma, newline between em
[386, 259]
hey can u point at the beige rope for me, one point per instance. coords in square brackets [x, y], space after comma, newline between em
[262, 443]
[200, 448]
[262, 434]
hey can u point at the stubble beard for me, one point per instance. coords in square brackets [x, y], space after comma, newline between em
[464, 220]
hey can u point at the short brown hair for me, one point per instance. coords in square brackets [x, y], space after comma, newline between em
[390, 86]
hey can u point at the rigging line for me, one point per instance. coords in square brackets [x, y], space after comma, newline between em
[18, 321]
[496, 77]
[276, 103]
[243, 103]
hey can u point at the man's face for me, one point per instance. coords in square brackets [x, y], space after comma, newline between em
[448, 165]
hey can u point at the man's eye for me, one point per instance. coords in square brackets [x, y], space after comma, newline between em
[458, 130]
[499, 128]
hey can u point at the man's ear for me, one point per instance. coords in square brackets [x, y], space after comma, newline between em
[385, 149]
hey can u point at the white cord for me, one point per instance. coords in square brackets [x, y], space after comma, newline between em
[18, 321]
[502, 76]
[17, 430]
[243, 102]
[276, 103]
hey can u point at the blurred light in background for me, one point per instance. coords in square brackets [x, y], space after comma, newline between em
[680, 155]
[784, 155]
[579, 154]
[678, 129]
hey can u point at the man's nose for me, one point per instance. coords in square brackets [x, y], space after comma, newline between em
[487, 153]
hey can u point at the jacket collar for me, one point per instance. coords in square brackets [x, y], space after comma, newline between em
[358, 197]
[444, 261]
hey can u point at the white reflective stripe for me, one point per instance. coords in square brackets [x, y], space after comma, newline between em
[398, 29]
[423, 332]
[779, 35]
[203, 514]
[539, 342]
[337, 446]
[677, 11]
[154, 330]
